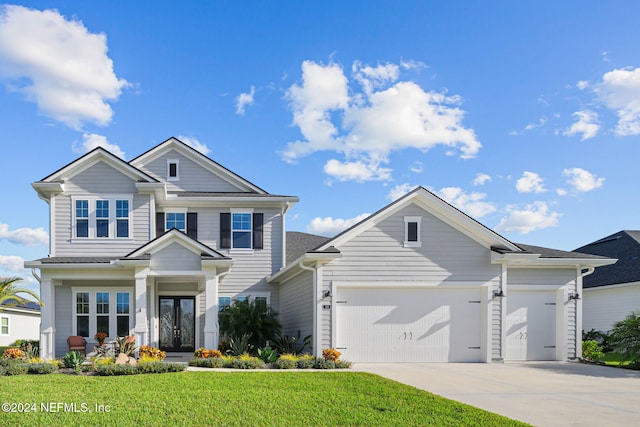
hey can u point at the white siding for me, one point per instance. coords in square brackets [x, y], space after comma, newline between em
[175, 257]
[296, 305]
[193, 177]
[64, 318]
[378, 255]
[22, 325]
[603, 306]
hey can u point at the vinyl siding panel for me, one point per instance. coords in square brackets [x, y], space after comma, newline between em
[296, 305]
[604, 306]
[497, 306]
[24, 326]
[175, 257]
[193, 177]
[64, 318]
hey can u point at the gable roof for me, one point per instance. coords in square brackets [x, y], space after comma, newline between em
[174, 144]
[623, 245]
[173, 236]
[299, 243]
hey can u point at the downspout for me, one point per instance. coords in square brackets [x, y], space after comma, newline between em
[578, 331]
[316, 338]
[284, 237]
[35, 275]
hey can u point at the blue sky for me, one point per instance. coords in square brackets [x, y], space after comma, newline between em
[525, 115]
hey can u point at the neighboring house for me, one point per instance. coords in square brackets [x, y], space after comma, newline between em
[611, 293]
[19, 322]
[157, 246]
[421, 281]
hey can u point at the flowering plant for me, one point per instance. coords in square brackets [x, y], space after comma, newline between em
[101, 336]
[13, 353]
[331, 354]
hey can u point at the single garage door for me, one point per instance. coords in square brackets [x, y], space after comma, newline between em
[531, 325]
[420, 324]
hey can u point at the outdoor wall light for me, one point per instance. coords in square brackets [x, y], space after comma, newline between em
[498, 294]
[575, 296]
[326, 294]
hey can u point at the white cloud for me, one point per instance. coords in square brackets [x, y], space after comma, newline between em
[561, 192]
[417, 167]
[587, 125]
[367, 126]
[471, 203]
[412, 65]
[24, 236]
[400, 190]
[243, 100]
[92, 140]
[582, 84]
[359, 171]
[58, 64]
[481, 179]
[535, 216]
[582, 180]
[330, 227]
[619, 90]
[530, 183]
[13, 266]
[194, 143]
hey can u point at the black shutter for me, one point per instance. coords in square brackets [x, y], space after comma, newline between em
[258, 220]
[160, 223]
[192, 225]
[225, 230]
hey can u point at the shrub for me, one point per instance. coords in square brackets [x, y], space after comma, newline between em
[73, 360]
[343, 364]
[287, 361]
[127, 345]
[324, 364]
[203, 353]
[113, 369]
[240, 345]
[591, 350]
[253, 318]
[267, 355]
[331, 354]
[13, 353]
[41, 368]
[15, 367]
[305, 361]
[291, 344]
[149, 352]
[625, 338]
[159, 367]
[246, 361]
[602, 338]
[103, 362]
[210, 362]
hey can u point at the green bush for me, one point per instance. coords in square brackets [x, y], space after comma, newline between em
[591, 350]
[267, 354]
[252, 318]
[343, 364]
[73, 360]
[322, 363]
[286, 344]
[18, 367]
[113, 369]
[625, 338]
[306, 361]
[41, 368]
[159, 367]
[602, 338]
[240, 345]
[245, 362]
[286, 361]
[213, 362]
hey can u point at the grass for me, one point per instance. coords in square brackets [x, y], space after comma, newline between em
[237, 398]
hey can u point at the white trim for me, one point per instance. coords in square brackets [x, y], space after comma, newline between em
[91, 206]
[113, 316]
[412, 243]
[608, 287]
[394, 284]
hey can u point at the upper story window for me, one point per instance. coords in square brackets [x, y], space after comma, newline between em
[412, 231]
[96, 217]
[241, 230]
[173, 170]
[176, 220]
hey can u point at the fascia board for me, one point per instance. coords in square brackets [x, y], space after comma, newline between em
[173, 200]
[293, 268]
[97, 156]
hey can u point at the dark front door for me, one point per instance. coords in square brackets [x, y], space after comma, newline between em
[177, 323]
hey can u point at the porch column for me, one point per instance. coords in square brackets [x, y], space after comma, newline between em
[211, 331]
[140, 329]
[47, 320]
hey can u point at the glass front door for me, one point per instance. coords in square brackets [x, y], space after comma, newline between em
[177, 323]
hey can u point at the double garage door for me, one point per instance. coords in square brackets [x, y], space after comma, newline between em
[435, 324]
[408, 324]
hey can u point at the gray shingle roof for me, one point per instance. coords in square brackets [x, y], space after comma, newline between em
[555, 253]
[31, 305]
[299, 243]
[625, 246]
[76, 260]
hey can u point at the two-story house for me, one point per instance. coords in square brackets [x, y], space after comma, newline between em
[158, 245]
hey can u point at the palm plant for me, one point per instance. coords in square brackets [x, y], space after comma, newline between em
[253, 318]
[10, 293]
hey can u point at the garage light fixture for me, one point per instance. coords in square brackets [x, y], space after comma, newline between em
[498, 294]
[326, 294]
[575, 296]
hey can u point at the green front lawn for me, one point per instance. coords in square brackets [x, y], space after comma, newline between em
[237, 398]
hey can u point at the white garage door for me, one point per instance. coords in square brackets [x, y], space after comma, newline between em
[531, 324]
[408, 324]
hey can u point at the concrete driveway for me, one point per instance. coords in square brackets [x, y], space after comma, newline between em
[539, 393]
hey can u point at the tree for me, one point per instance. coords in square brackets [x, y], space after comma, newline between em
[255, 319]
[625, 338]
[10, 293]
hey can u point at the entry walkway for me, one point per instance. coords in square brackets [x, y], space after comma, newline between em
[540, 393]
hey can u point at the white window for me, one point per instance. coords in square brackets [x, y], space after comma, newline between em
[102, 310]
[175, 220]
[173, 171]
[412, 231]
[226, 300]
[4, 326]
[241, 230]
[102, 217]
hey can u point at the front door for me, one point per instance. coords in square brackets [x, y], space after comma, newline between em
[177, 324]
